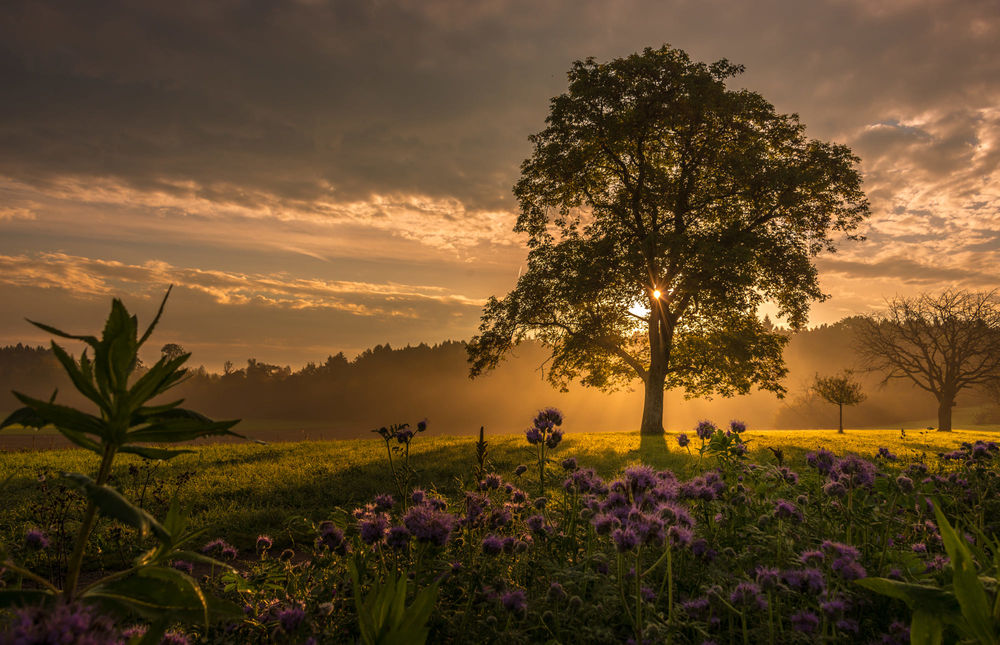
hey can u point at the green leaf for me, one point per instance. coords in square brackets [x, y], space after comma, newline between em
[156, 318]
[926, 628]
[111, 504]
[160, 377]
[81, 380]
[24, 417]
[182, 580]
[63, 416]
[968, 588]
[90, 340]
[174, 430]
[156, 598]
[917, 597]
[82, 440]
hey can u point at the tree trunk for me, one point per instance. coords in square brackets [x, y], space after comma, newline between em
[652, 406]
[945, 404]
[841, 429]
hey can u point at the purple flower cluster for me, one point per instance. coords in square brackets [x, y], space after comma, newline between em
[35, 539]
[291, 617]
[545, 428]
[332, 537]
[705, 430]
[61, 623]
[429, 524]
[223, 548]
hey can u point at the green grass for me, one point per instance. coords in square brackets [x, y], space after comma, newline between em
[242, 490]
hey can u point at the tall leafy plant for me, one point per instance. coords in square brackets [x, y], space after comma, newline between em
[125, 421]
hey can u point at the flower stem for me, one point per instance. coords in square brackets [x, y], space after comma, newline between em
[86, 526]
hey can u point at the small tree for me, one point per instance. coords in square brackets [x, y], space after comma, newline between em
[839, 390]
[943, 343]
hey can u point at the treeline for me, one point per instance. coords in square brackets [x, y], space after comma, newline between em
[346, 398]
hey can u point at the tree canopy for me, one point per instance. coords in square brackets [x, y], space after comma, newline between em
[662, 209]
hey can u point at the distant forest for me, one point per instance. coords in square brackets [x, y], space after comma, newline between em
[382, 385]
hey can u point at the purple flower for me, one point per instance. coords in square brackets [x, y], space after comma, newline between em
[784, 509]
[373, 528]
[625, 539]
[748, 594]
[536, 523]
[640, 478]
[183, 565]
[737, 426]
[291, 617]
[556, 592]
[683, 440]
[810, 580]
[215, 545]
[520, 470]
[36, 539]
[849, 569]
[812, 557]
[767, 576]
[60, 623]
[492, 544]
[514, 601]
[905, 484]
[840, 549]
[805, 622]
[569, 463]
[554, 438]
[384, 502]
[647, 594]
[833, 607]
[697, 607]
[705, 429]
[679, 536]
[852, 472]
[332, 537]
[398, 538]
[430, 525]
[822, 460]
[229, 552]
[264, 542]
[885, 454]
[174, 638]
[834, 489]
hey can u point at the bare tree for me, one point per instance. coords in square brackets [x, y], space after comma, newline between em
[942, 343]
[839, 390]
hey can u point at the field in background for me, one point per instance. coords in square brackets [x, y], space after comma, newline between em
[244, 489]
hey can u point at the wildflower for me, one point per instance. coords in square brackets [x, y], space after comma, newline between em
[679, 536]
[834, 489]
[492, 481]
[840, 549]
[520, 470]
[384, 502]
[556, 592]
[540, 503]
[174, 638]
[492, 545]
[848, 625]
[625, 539]
[884, 453]
[810, 580]
[919, 547]
[811, 557]
[36, 539]
[229, 552]
[640, 478]
[683, 440]
[788, 475]
[554, 438]
[767, 577]
[215, 545]
[905, 484]
[569, 463]
[696, 607]
[398, 538]
[833, 607]
[647, 594]
[421, 425]
[737, 426]
[853, 471]
[849, 569]
[747, 594]
[264, 542]
[705, 429]
[430, 525]
[536, 523]
[183, 565]
[822, 460]
[784, 509]
[515, 601]
[291, 617]
[332, 537]
[63, 623]
[373, 528]
[418, 495]
[805, 622]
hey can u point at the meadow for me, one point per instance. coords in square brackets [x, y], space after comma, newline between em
[719, 535]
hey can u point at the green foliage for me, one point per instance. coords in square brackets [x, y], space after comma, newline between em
[125, 420]
[383, 616]
[964, 604]
[661, 210]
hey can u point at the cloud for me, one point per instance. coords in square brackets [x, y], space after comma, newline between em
[95, 277]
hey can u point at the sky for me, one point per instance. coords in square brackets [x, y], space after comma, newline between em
[321, 176]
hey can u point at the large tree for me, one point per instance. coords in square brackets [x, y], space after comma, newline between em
[943, 343]
[661, 210]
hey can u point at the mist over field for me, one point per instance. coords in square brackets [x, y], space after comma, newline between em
[347, 398]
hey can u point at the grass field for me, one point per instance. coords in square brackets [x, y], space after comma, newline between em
[245, 489]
